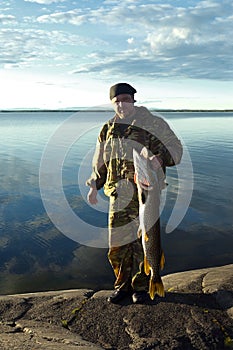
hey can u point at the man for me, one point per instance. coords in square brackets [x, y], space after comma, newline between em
[131, 127]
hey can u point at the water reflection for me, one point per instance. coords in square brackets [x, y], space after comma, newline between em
[34, 255]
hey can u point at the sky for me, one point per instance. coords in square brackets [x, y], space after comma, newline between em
[67, 54]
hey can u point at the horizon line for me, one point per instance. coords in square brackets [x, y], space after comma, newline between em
[100, 109]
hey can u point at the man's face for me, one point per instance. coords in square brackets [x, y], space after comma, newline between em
[123, 105]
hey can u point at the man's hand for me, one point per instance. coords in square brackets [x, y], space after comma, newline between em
[156, 162]
[92, 196]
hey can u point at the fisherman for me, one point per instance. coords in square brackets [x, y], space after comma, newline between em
[132, 127]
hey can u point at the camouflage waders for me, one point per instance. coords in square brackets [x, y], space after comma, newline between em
[126, 253]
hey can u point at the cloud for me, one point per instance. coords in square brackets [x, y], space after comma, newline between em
[193, 40]
[171, 25]
[7, 19]
[128, 63]
[130, 40]
[45, 2]
[142, 64]
[22, 47]
[73, 17]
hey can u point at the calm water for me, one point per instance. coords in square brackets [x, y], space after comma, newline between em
[35, 255]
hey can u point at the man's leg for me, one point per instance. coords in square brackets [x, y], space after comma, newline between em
[126, 253]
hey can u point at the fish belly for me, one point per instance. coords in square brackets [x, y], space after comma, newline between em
[153, 255]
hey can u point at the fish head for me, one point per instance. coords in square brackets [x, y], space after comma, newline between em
[144, 176]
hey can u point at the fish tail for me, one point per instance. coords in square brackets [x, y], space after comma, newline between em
[156, 288]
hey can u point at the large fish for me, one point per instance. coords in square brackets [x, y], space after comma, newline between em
[149, 227]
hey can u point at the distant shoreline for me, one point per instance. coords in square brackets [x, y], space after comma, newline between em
[74, 110]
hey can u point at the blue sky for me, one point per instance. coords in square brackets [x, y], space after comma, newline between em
[60, 53]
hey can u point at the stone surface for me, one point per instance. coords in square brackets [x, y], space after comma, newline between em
[196, 313]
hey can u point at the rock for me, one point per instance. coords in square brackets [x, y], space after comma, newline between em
[38, 321]
[196, 313]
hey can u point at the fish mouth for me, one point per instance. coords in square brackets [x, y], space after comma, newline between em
[145, 185]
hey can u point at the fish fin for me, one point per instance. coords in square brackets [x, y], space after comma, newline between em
[146, 266]
[144, 152]
[162, 261]
[156, 288]
[139, 233]
[135, 177]
[116, 271]
[146, 237]
[160, 288]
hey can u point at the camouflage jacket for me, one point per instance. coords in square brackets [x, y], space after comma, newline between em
[113, 159]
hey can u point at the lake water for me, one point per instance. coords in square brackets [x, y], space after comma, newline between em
[45, 158]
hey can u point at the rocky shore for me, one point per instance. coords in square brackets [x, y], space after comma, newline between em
[196, 313]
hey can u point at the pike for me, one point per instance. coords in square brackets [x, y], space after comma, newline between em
[149, 227]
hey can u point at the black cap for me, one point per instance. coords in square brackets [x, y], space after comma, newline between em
[121, 88]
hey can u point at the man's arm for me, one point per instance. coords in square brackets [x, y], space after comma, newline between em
[99, 170]
[165, 144]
